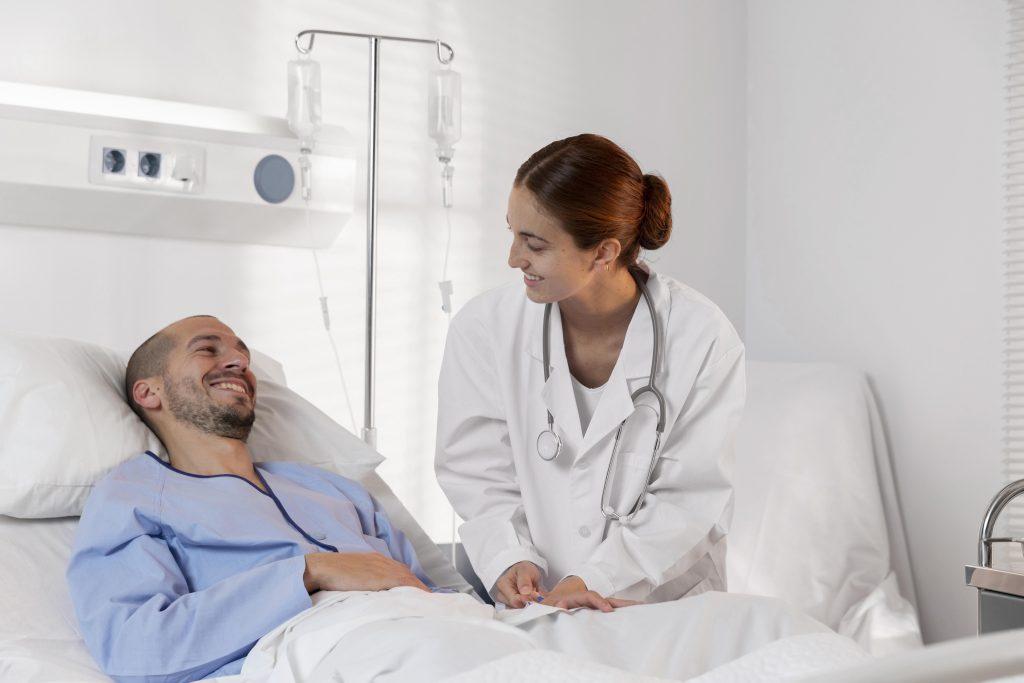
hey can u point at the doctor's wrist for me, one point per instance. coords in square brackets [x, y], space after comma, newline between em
[571, 584]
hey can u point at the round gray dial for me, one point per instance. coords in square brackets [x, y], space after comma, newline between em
[274, 179]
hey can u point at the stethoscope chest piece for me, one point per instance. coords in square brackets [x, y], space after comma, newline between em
[548, 445]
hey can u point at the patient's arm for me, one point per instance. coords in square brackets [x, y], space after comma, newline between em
[140, 618]
[356, 572]
[375, 522]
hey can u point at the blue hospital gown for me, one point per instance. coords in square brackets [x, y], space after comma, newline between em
[175, 576]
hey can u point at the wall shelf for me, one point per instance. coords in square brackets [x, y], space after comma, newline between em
[47, 141]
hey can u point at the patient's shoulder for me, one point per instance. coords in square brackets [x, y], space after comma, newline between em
[135, 478]
[130, 490]
[291, 468]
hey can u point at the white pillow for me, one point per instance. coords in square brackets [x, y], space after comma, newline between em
[64, 423]
[809, 524]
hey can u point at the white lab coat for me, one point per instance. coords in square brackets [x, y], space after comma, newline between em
[492, 406]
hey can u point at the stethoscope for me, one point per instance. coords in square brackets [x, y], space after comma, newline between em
[549, 444]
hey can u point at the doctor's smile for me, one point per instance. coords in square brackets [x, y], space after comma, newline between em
[532, 280]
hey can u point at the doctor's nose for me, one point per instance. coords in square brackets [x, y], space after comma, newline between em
[515, 260]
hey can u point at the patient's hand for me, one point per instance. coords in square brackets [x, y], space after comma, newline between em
[356, 572]
[519, 585]
[571, 592]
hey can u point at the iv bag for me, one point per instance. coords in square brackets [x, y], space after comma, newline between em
[304, 114]
[444, 111]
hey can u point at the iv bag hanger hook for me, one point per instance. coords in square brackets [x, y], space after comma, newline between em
[369, 430]
[312, 33]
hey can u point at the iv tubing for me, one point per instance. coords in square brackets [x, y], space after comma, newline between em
[446, 306]
[324, 310]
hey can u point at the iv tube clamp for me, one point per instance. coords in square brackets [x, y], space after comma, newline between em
[445, 55]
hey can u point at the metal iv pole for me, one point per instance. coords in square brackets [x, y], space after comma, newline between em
[369, 430]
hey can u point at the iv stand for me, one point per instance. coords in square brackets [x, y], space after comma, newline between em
[369, 430]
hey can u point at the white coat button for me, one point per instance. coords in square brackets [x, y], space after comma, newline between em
[584, 532]
[320, 536]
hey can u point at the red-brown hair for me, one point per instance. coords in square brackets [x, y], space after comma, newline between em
[597, 191]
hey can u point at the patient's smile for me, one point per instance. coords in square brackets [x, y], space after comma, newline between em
[232, 386]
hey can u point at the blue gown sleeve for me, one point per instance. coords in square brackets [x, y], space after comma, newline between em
[375, 522]
[137, 614]
[400, 547]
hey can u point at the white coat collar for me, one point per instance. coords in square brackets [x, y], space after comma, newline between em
[632, 368]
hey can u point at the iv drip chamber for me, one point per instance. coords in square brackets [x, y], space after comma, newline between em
[304, 113]
[444, 111]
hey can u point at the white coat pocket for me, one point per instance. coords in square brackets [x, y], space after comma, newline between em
[631, 461]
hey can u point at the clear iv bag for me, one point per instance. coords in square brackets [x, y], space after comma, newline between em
[304, 114]
[444, 111]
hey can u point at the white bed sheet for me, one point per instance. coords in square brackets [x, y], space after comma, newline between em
[39, 640]
[788, 659]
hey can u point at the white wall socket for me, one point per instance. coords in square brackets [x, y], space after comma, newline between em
[139, 163]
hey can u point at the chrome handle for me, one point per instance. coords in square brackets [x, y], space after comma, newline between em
[985, 538]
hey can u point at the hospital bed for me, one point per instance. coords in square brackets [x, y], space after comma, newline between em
[813, 485]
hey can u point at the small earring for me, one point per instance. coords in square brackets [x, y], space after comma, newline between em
[607, 267]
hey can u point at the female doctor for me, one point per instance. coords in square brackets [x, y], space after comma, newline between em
[603, 477]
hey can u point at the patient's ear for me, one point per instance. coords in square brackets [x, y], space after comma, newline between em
[146, 393]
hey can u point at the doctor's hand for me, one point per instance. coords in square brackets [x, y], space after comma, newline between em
[571, 592]
[356, 572]
[519, 585]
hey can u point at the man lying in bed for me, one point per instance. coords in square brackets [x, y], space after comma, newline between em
[179, 568]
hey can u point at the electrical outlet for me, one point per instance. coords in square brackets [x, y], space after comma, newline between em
[146, 163]
[149, 164]
[113, 161]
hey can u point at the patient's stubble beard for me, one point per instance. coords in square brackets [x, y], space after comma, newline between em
[189, 404]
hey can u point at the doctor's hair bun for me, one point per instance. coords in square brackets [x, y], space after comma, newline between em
[596, 191]
[656, 223]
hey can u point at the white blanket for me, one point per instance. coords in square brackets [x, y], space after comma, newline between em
[788, 659]
[409, 635]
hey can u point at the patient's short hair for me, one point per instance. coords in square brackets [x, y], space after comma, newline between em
[150, 360]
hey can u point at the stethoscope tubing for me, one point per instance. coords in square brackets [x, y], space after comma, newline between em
[554, 443]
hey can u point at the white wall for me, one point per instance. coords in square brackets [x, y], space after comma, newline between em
[665, 81]
[874, 200]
